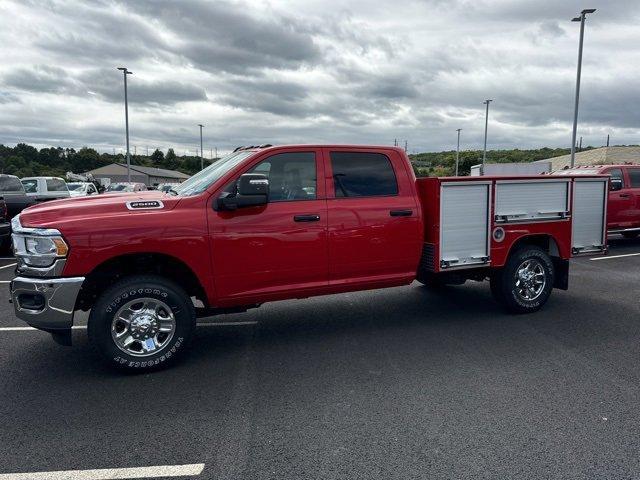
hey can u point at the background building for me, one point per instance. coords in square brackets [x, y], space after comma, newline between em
[597, 156]
[117, 172]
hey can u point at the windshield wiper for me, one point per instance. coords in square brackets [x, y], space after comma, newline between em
[171, 190]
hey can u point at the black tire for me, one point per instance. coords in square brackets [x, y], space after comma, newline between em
[170, 304]
[630, 234]
[506, 282]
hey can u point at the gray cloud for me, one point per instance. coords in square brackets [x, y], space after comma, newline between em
[281, 72]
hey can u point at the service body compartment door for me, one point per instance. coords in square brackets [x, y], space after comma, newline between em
[532, 200]
[589, 230]
[464, 224]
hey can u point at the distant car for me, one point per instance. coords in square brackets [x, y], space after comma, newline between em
[45, 188]
[81, 189]
[165, 187]
[124, 187]
[12, 190]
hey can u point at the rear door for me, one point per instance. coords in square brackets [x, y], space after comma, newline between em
[620, 205]
[374, 225]
[280, 247]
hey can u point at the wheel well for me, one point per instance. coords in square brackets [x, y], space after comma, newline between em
[544, 241]
[549, 245]
[110, 271]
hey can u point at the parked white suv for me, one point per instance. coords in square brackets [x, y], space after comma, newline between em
[45, 188]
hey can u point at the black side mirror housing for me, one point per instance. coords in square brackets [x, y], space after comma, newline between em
[252, 190]
[615, 184]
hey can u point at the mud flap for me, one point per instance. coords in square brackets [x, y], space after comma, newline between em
[561, 270]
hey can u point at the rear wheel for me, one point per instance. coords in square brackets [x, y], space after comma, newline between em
[525, 283]
[142, 323]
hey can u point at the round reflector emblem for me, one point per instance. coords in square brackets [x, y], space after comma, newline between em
[498, 234]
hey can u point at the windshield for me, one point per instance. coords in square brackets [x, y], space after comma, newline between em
[75, 186]
[204, 178]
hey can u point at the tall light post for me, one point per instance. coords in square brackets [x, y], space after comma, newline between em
[126, 72]
[486, 126]
[201, 152]
[458, 151]
[581, 19]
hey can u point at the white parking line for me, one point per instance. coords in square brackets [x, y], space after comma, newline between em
[84, 327]
[5, 281]
[611, 257]
[7, 266]
[161, 471]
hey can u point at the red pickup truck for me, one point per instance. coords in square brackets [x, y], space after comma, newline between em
[275, 223]
[623, 210]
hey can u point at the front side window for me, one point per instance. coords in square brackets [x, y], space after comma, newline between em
[292, 176]
[359, 174]
[634, 177]
[30, 186]
[56, 185]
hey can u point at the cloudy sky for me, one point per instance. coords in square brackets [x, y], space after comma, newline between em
[301, 71]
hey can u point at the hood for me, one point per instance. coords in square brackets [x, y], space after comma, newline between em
[91, 208]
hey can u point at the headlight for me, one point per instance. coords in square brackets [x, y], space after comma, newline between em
[37, 247]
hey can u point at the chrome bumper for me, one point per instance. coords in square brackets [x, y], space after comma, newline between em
[43, 303]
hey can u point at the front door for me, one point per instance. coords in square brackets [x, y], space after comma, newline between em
[281, 247]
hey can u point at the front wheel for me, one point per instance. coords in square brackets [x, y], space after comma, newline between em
[524, 284]
[142, 323]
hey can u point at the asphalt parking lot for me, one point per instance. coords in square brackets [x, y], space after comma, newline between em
[402, 383]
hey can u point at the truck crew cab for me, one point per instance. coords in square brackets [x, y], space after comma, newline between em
[275, 223]
[623, 209]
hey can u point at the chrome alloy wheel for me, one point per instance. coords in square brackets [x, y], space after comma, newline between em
[531, 278]
[143, 327]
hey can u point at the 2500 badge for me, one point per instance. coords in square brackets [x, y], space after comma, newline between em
[145, 205]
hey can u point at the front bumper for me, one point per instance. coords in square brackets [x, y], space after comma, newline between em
[46, 303]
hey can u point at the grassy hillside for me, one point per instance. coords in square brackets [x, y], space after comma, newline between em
[443, 163]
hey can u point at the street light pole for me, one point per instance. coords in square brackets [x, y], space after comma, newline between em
[201, 152]
[458, 151]
[486, 126]
[581, 19]
[126, 72]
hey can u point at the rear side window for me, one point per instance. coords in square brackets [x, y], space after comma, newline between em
[56, 185]
[30, 186]
[634, 177]
[358, 174]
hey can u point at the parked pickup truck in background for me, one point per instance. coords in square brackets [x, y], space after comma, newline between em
[45, 188]
[623, 207]
[276, 223]
[12, 191]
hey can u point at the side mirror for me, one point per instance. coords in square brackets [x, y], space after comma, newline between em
[615, 185]
[252, 190]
